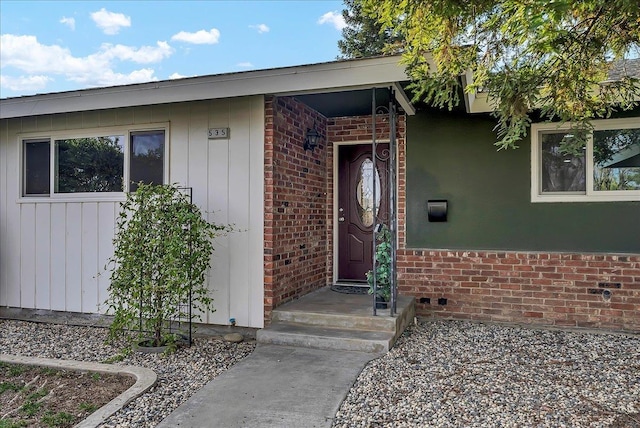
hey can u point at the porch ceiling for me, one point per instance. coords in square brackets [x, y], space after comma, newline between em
[345, 103]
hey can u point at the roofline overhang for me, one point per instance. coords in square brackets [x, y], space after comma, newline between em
[314, 78]
[479, 102]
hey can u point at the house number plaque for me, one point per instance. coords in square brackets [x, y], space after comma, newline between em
[218, 133]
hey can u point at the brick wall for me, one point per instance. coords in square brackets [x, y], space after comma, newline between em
[295, 246]
[577, 290]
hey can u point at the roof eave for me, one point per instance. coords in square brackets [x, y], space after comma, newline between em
[316, 77]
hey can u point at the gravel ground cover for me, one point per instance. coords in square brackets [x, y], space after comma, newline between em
[462, 374]
[179, 375]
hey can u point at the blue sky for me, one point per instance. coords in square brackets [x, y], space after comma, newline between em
[52, 46]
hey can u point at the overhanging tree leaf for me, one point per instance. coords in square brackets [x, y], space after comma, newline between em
[552, 57]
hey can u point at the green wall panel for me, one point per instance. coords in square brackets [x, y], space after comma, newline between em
[452, 156]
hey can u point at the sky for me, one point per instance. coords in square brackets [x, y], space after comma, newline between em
[53, 46]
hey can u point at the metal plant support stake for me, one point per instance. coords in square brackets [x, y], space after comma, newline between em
[392, 205]
[392, 197]
[189, 190]
[375, 212]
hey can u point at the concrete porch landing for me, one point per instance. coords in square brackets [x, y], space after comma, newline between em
[326, 319]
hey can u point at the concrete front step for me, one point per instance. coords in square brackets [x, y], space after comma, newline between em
[308, 336]
[382, 322]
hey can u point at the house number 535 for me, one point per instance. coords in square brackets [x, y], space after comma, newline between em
[218, 133]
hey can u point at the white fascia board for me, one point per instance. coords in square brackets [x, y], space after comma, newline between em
[316, 77]
[474, 102]
[403, 99]
[478, 102]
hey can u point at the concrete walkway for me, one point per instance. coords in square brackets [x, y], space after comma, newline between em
[276, 386]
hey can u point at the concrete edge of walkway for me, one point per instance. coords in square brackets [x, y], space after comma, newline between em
[145, 379]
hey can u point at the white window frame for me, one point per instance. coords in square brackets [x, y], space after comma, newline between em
[590, 195]
[125, 131]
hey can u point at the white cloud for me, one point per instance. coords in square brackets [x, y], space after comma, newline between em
[177, 76]
[110, 22]
[334, 18]
[110, 78]
[201, 37]
[244, 64]
[261, 28]
[142, 55]
[28, 55]
[24, 83]
[69, 22]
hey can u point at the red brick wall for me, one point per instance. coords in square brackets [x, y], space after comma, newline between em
[535, 288]
[295, 246]
[522, 287]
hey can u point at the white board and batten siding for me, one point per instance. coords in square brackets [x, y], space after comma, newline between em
[53, 252]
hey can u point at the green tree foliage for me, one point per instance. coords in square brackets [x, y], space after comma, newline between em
[90, 164]
[552, 57]
[364, 36]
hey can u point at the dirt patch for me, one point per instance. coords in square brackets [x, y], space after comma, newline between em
[33, 396]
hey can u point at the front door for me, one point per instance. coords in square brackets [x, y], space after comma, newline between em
[356, 218]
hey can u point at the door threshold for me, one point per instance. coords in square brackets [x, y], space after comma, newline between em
[351, 284]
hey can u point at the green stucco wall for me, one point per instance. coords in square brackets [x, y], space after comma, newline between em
[452, 156]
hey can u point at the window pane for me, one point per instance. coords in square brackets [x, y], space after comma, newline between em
[89, 164]
[561, 171]
[364, 192]
[616, 159]
[37, 166]
[147, 158]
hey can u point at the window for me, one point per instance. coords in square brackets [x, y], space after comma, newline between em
[105, 163]
[607, 168]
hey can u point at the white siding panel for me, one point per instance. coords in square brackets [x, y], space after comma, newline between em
[74, 120]
[108, 118]
[218, 201]
[73, 295]
[198, 158]
[58, 256]
[11, 217]
[4, 249]
[239, 209]
[124, 116]
[142, 114]
[43, 256]
[91, 119]
[161, 113]
[179, 146]
[256, 214]
[90, 257]
[43, 123]
[106, 230]
[27, 256]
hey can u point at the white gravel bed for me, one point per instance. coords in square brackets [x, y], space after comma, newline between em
[179, 375]
[463, 374]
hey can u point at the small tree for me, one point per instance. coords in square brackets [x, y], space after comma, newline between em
[162, 252]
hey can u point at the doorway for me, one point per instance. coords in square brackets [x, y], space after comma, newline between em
[358, 174]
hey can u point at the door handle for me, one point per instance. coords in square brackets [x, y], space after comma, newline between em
[340, 219]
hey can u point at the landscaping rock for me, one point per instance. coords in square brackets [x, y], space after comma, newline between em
[233, 337]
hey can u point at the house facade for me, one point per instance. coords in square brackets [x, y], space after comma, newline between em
[511, 249]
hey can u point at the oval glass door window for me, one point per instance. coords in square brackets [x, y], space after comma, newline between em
[364, 192]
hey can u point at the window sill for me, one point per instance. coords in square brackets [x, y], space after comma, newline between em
[84, 198]
[632, 196]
